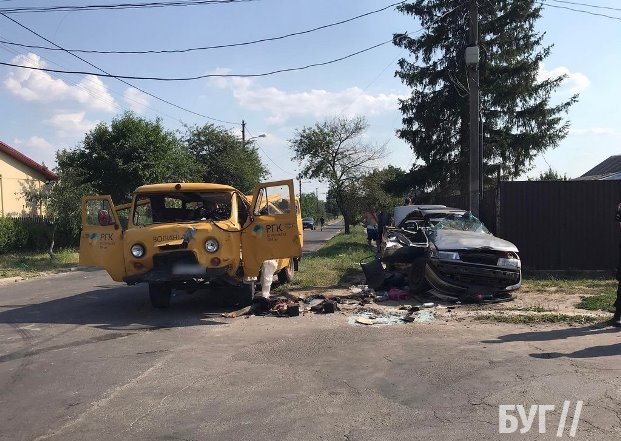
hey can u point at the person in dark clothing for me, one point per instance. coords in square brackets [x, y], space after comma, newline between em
[321, 222]
[616, 320]
[383, 220]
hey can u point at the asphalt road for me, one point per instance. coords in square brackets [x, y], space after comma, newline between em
[84, 358]
[313, 239]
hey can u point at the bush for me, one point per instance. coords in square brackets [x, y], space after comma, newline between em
[24, 235]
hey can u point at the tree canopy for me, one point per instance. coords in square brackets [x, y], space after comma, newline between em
[223, 158]
[333, 151]
[520, 120]
[132, 151]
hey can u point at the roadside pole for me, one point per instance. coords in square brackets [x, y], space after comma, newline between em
[472, 64]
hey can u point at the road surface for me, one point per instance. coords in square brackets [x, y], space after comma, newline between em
[84, 358]
[314, 239]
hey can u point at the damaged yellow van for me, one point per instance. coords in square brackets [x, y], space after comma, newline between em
[187, 235]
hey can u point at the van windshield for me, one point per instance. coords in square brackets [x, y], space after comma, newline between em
[157, 208]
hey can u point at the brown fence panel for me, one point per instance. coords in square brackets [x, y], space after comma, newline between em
[562, 225]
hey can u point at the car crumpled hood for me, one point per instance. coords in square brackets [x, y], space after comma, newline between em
[468, 240]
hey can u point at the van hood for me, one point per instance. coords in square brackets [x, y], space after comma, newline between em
[469, 240]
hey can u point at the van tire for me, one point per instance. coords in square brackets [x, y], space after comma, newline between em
[160, 294]
[285, 275]
[247, 294]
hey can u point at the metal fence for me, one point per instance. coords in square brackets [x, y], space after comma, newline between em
[562, 225]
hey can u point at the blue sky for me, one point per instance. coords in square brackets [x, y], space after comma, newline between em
[43, 112]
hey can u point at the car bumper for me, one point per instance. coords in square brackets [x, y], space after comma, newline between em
[179, 273]
[472, 282]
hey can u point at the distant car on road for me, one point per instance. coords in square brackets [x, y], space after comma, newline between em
[308, 222]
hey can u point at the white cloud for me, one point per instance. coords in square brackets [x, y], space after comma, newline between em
[594, 131]
[136, 100]
[71, 124]
[39, 86]
[318, 103]
[575, 82]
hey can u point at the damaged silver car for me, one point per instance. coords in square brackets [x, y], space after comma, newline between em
[451, 254]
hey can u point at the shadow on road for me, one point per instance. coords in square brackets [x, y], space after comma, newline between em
[122, 308]
[555, 334]
[592, 352]
[563, 334]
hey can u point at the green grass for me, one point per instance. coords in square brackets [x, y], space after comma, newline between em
[32, 264]
[600, 302]
[528, 319]
[542, 283]
[337, 263]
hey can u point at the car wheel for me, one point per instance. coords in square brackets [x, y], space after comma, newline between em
[285, 275]
[160, 294]
[247, 294]
[416, 276]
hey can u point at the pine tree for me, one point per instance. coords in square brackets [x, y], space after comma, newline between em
[520, 120]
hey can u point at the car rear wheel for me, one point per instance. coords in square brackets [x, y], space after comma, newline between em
[285, 275]
[160, 294]
[416, 276]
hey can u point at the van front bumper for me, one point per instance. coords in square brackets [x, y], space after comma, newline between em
[179, 273]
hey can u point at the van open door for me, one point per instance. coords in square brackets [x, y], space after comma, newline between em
[274, 232]
[101, 240]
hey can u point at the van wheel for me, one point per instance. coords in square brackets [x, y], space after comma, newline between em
[416, 277]
[247, 294]
[160, 294]
[285, 275]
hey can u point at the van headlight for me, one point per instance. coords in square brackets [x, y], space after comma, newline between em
[137, 250]
[211, 245]
[510, 262]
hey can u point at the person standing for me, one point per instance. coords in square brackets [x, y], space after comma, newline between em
[321, 222]
[383, 220]
[370, 222]
[616, 320]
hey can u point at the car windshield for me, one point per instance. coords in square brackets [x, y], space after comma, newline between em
[460, 222]
[157, 208]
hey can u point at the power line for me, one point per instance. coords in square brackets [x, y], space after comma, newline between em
[268, 157]
[202, 48]
[106, 74]
[197, 77]
[118, 6]
[588, 5]
[579, 10]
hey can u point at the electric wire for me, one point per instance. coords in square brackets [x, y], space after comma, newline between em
[202, 48]
[579, 10]
[268, 157]
[588, 5]
[196, 77]
[118, 6]
[107, 74]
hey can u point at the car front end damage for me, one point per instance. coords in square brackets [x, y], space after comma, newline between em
[473, 275]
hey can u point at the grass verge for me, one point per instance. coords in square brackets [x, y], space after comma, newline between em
[337, 263]
[600, 302]
[528, 319]
[32, 264]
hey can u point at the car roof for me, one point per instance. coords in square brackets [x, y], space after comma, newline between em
[187, 186]
[431, 213]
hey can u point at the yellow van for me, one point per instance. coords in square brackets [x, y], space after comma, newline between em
[187, 235]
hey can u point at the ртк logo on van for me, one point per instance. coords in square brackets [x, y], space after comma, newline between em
[258, 230]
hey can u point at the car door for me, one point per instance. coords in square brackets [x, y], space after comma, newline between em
[275, 231]
[101, 240]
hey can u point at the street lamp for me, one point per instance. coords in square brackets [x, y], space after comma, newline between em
[262, 135]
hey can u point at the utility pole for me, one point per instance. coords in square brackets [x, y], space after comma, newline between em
[243, 132]
[472, 66]
[300, 182]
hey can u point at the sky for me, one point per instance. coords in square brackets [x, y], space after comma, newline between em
[42, 112]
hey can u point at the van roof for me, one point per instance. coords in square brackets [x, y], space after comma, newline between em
[184, 186]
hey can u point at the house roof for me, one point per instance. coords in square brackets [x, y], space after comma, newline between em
[49, 175]
[610, 169]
